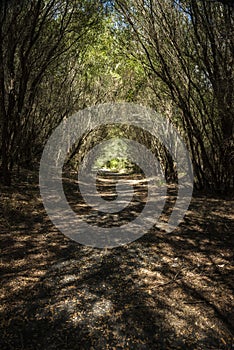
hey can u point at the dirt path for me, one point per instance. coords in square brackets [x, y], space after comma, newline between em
[163, 291]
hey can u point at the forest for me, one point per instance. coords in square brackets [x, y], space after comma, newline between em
[116, 174]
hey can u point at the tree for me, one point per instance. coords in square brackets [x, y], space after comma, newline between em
[188, 47]
[36, 38]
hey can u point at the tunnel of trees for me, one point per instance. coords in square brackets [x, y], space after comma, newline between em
[57, 57]
[131, 256]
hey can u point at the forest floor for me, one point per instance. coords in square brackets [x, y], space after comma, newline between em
[162, 291]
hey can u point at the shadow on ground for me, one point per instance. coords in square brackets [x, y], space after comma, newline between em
[163, 291]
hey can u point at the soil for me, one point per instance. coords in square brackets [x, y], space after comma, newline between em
[162, 291]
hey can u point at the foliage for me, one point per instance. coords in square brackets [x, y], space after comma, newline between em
[188, 48]
[174, 56]
[38, 43]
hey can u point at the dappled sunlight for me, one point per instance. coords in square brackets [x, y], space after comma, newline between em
[162, 289]
[116, 175]
[102, 308]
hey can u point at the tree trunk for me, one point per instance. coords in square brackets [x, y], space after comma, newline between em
[6, 172]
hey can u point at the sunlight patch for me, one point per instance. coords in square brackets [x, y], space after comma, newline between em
[102, 307]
